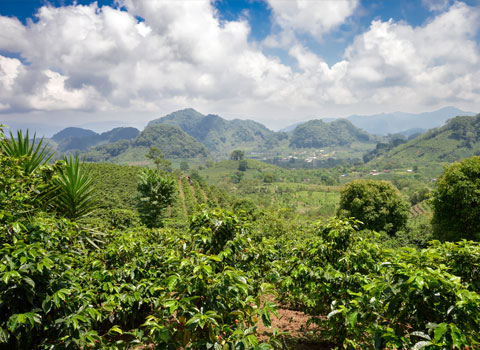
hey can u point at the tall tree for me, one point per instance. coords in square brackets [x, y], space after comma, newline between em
[237, 155]
[158, 158]
[456, 201]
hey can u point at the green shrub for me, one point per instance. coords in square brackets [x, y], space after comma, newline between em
[156, 191]
[456, 201]
[378, 204]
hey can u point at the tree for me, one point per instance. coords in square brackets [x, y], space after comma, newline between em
[158, 158]
[237, 155]
[378, 204]
[456, 201]
[184, 165]
[156, 191]
[242, 165]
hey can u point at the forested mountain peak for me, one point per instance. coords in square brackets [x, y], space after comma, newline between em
[215, 132]
[72, 132]
[317, 133]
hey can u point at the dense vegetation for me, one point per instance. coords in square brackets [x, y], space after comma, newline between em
[230, 250]
[77, 139]
[377, 204]
[171, 140]
[456, 201]
[317, 134]
[217, 134]
[458, 139]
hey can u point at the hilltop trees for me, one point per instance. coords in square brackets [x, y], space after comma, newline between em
[237, 155]
[456, 201]
[378, 204]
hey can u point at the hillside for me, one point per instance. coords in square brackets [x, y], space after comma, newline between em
[317, 133]
[458, 139]
[170, 139]
[398, 122]
[78, 139]
[219, 135]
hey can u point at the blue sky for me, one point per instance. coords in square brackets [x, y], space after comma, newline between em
[276, 61]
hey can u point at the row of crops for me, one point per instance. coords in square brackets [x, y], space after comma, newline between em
[209, 281]
[205, 287]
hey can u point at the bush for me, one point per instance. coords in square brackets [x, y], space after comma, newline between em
[156, 193]
[377, 204]
[456, 201]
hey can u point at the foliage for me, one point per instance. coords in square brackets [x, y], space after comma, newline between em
[378, 204]
[456, 201]
[317, 133]
[219, 135]
[184, 166]
[459, 138]
[380, 298]
[156, 191]
[242, 165]
[171, 140]
[32, 153]
[211, 230]
[237, 155]
[74, 139]
[202, 283]
[159, 159]
[21, 194]
[73, 193]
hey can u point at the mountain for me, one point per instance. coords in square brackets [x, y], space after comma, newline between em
[219, 135]
[458, 139]
[391, 123]
[120, 133]
[292, 127]
[170, 139]
[73, 132]
[317, 134]
[78, 139]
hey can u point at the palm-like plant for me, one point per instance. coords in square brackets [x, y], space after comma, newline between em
[74, 193]
[33, 153]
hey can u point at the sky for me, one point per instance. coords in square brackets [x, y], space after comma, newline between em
[275, 61]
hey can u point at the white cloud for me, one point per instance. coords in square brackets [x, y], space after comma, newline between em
[436, 5]
[313, 17]
[83, 58]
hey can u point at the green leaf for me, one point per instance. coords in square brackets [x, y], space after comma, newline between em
[421, 344]
[4, 335]
[439, 332]
[352, 318]
[115, 329]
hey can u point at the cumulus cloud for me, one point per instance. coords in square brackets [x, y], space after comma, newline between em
[87, 58]
[426, 64]
[436, 5]
[313, 17]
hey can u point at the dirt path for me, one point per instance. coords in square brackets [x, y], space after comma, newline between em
[300, 337]
[182, 196]
[205, 198]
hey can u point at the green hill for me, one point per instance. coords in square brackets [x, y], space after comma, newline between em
[170, 139]
[317, 133]
[458, 139]
[220, 136]
[78, 139]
